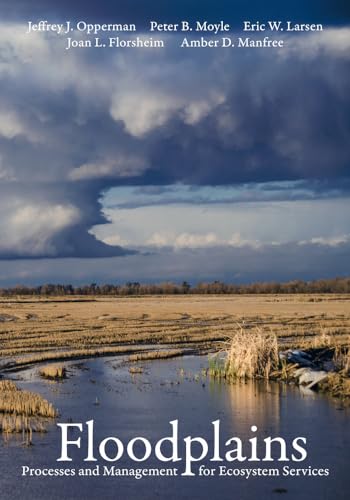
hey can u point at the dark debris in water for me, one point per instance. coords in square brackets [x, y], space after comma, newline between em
[315, 358]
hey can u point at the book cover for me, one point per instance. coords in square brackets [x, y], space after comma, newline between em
[174, 250]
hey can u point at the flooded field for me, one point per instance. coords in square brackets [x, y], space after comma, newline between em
[35, 329]
[100, 359]
[142, 403]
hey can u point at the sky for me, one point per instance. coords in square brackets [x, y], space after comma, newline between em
[172, 164]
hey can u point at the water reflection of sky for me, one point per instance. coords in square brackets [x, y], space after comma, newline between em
[130, 406]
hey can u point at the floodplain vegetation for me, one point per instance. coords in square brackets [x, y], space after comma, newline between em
[148, 356]
[54, 372]
[254, 355]
[20, 411]
[250, 329]
[16, 401]
[246, 355]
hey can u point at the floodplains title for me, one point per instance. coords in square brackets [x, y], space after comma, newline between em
[191, 451]
[194, 449]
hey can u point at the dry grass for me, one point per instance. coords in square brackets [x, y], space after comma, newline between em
[135, 369]
[53, 371]
[251, 354]
[337, 385]
[147, 356]
[35, 330]
[17, 402]
[7, 385]
[256, 355]
[326, 338]
[342, 360]
[74, 354]
[46, 330]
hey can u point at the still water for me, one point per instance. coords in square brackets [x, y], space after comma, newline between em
[125, 406]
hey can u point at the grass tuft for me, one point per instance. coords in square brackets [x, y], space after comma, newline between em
[135, 369]
[53, 371]
[249, 354]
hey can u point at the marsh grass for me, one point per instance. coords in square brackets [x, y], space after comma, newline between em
[325, 338]
[61, 330]
[17, 402]
[252, 355]
[337, 385]
[248, 354]
[135, 370]
[144, 356]
[341, 360]
[53, 371]
[7, 385]
[217, 366]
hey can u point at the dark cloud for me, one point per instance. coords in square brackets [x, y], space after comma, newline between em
[239, 265]
[71, 127]
[312, 189]
[289, 121]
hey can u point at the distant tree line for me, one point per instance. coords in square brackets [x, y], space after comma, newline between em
[336, 285]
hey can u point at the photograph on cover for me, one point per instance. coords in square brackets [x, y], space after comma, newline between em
[174, 249]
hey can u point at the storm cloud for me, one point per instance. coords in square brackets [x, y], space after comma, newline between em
[231, 264]
[75, 123]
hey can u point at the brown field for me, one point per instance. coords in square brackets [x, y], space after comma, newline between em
[39, 329]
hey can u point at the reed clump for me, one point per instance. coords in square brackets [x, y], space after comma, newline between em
[53, 372]
[248, 354]
[18, 402]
